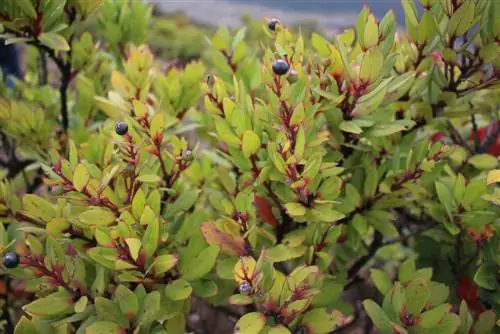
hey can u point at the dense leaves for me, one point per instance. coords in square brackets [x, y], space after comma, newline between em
[272, 173]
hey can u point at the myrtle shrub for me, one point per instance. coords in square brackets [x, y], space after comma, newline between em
[274, 175]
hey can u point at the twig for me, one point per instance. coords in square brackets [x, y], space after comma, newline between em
[43, 68]
[360, 263]
[474, 128]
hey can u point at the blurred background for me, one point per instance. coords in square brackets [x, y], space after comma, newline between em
[331, 15]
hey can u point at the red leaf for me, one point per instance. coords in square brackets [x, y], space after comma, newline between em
[229, 244]
[264, 211]
[467, 291]
[483, 134]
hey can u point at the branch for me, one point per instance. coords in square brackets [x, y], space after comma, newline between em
[360, 263]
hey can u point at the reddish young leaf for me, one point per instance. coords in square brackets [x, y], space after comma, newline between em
[264, 211]
[484, 133]
[227, 243]
[467, 291]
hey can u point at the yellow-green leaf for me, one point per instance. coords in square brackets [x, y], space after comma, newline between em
[81, 177]
[250, 323]
[54, 41]
[179, 290]
[164, 263]
[371, 65]
[295, 209]
[97, 216]
[251, 143]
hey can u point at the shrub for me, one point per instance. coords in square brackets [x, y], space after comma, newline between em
[275, 179]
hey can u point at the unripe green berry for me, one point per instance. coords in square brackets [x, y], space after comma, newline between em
[293, 76]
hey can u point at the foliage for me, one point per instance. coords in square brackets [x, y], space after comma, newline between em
[237, 185]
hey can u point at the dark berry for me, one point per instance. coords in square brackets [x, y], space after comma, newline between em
[245, 288]
[272, 23]
[121, 128]
[293, 76]
[10, 260]
[280, 67]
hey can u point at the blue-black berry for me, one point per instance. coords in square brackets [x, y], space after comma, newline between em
[245, 288]
[10, 260]
[121, 128]
[280, 67]
[272, 23]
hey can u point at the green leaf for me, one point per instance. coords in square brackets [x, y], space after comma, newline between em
[240, 300]
[431, 318]
[251, 143]
[27, 7]
[371, 33]
[81, 304]
[381, 221]
[280, 329]
[381, 281]
[319, 321]
[240, 35]
[104, 327]
[177, 324]
[138, 203]
[54, 41]
[204, 289]
[250, 323]
[97, 217]
[371, 65]
[164, 263]
[350, 127]
[486, 276]
[280, 253]
[382, 130]
[320, 44]
[448, 325]
[25, 326]
[295, 209]
[486, 323]
[126, 300]
[151, 238]
[81, 177]
[55, 304]
[378, 316]
[417, 295]
[38, 206]
[483, 161]
[184, 202]
[201, 265]
[226, 133]
[109, 311]
[150, 179]
[108, 107]
[178, 290]
[134, 245]
[150, 309]
[427, 28]
[439, 293]
[104, 256]
[445, 197]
